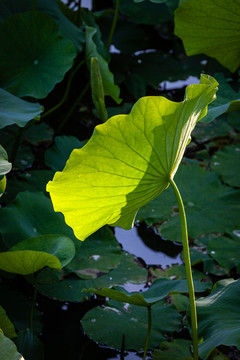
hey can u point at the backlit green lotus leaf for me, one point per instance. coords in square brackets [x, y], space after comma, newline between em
[34, 55]
[219, 317]
[16, 111]
[211, 28]
[128, 161]
[226, 163]
[9, 349]
[31, 255]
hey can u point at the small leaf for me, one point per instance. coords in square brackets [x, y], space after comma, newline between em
[16, 111]
[5, 166]
[45, 55]
[6, 325]
[8, 349]
[128, 161]
[32, 255]
[211, 28]
[218, 317]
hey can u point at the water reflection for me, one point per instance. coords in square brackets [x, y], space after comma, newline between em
[144, 243]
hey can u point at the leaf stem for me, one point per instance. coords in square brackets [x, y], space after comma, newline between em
[187, 262]
[65, 95]
[114, 23]
[33, 301]
[148, 331]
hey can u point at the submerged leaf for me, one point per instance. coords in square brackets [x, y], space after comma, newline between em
[128, 161]
[211, 28]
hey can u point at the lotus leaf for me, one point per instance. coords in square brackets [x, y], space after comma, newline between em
[16, 111]
[218, 317]
[132, 322]
[9, 349]
[45, 54]
[128, 161]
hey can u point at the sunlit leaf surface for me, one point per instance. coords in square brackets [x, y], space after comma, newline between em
[211, 28]
[128, 161]
[9, 349]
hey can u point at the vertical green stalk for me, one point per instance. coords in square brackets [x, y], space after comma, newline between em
[187, 262]
[148, 332]
[33, 301]
[114, 23]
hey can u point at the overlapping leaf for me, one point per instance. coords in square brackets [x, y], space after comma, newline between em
[211, 28]
[218, 317]
[128, 161]
[9, 349]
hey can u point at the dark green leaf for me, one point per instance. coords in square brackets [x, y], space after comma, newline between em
[50, 7]
[45, 55]
[218, 317]
[132, 321]
[57, 155]
[100, 253]
[178, 349]
[226, 163]
[16, 111]
[30, 345]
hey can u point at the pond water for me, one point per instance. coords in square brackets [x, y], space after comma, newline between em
[144, 243]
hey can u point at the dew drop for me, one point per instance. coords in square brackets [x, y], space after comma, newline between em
[35, 62]
[216, 163]
[213, 252]
[93, 320]
[110, 278]
[95, 257]
[190, 203]
[34, 230]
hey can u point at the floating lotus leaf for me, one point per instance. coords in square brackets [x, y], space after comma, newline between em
[211, 28]
[34, 55]
[132, 321]
[179, 349]
[226, 163]
[128, 161]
